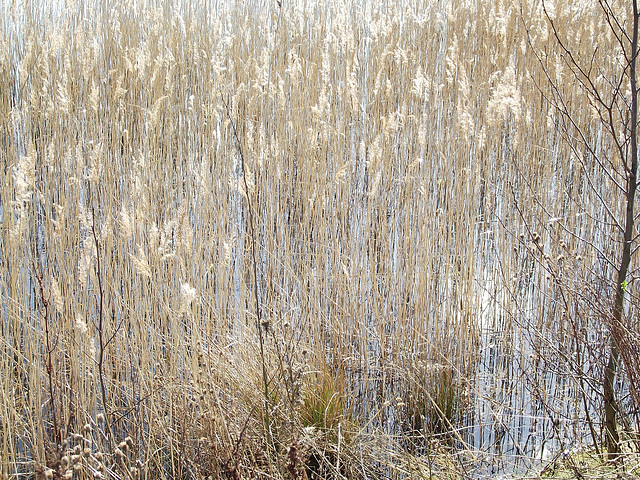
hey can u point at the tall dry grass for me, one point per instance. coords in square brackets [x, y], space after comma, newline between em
[404, 174]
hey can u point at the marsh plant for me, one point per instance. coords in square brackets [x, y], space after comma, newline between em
[314, 239]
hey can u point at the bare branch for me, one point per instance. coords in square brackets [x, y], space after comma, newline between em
[614, 24]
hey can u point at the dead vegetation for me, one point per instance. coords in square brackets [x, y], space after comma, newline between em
[298, 241]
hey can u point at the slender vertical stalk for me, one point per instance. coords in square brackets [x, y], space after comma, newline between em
[101, 340]
[258, 309]
[57, 437]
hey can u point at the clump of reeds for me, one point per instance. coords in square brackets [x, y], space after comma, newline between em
[283, 239]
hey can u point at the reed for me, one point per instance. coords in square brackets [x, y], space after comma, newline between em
[403, 174]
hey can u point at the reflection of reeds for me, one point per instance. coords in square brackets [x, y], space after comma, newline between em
[393, 157]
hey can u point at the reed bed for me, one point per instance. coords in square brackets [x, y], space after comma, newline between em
[296, 240]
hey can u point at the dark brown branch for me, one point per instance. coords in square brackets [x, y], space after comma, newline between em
[258, 308]
[101, 353]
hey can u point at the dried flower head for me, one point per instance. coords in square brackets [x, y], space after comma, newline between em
[120, 456]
